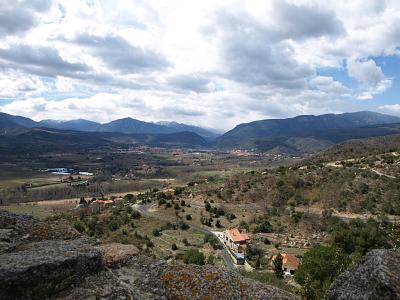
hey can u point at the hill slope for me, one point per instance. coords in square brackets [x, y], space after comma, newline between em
[358, 176]
[7, 121]
[40, 140]
[307, 133]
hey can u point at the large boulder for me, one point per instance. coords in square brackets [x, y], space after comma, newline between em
[209, 282]
[375, 276]
[115, 254]
[37, 270]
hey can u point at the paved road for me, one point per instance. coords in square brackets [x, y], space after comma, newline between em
[144, 209]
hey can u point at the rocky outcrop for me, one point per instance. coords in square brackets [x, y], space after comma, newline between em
[38, 270]
[375, 276]
[208, 282]
[38, 259]
[115, 254]
[49, 260]
[145, 278]
[138, 278]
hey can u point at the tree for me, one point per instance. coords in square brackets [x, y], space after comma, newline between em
[82, 201]
[174, 247]
[113, 225]
[210, 260]
[218, 224]
[194, 256]
[129, 197]
[321, 265]
[307, 292]
[278, 264]
[212, 240]
[135, 214]
[156, 232]
[207, 206]
[395, 236]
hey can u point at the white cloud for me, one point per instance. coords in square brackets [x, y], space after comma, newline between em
[370, 77]
[329, 85]
[391, 109]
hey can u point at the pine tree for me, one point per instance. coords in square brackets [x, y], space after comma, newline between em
[278, 263]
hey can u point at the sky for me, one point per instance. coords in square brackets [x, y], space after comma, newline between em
[209, 63]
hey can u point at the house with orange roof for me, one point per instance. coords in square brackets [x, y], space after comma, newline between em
[235, 240]
[290, 263]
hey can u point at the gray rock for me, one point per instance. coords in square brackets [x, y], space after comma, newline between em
[209, 282]
[38, 270]
[9, 220]
[375, 276]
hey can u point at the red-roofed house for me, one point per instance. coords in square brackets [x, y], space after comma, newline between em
[290, 263]
[98, 205]
[236, 240]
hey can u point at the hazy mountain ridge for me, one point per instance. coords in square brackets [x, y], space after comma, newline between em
[125, 125]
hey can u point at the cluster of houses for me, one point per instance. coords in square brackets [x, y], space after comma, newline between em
[238, 242]
[95, 205]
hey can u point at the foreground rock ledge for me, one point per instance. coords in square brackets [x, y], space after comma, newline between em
[37, 270]
[375, 276]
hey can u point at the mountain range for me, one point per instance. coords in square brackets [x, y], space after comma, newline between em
[307, 133]
[125, 125]
[128, 126]
[301, 134]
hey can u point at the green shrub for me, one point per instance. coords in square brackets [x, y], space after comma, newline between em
[321, 265]
[135, 214]
[113, 225]
[156, 232]
[79, 226]
[194, 256]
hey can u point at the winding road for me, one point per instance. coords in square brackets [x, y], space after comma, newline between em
[144, 210]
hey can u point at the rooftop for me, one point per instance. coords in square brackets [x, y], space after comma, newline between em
[289, 260]
[236, 236]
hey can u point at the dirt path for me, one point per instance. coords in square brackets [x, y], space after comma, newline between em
[345, 215]
[383, 174]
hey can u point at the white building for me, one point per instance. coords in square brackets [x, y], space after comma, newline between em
[235, 240]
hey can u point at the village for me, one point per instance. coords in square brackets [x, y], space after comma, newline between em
[234, 245]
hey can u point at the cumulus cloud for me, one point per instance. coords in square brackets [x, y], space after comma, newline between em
[118, 53]
[370, 77]
[329, 85]
[254, 54]
[393, 109]
[305, 21]
[20, 16]
[199, 83]
[39, 60]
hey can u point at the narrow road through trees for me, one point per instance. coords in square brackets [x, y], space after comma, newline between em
[144, 209]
